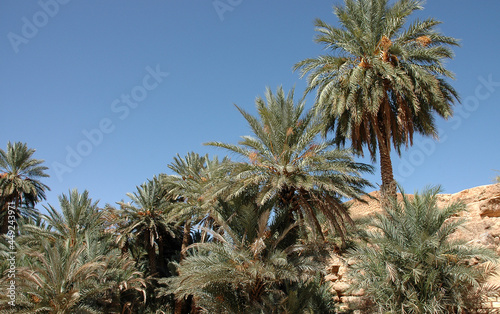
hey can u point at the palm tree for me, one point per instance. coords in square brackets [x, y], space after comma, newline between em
[149, 219]
[287, 163]
[79, 215]
[193, 175]
[382, 82]
[56, 280]
[410, 264]
[19, 180]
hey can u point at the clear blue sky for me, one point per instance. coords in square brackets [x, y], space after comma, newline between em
[66, 71]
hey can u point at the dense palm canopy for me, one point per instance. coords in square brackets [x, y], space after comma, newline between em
[245, 269]
[288, 164]
[410, 264]
[68, 263]
[56, 280]
[19, 179]
[383, 78]
[78, 215]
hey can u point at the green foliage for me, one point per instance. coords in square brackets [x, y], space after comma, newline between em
[19, 181]
[410, 264]
[149, 221]
[289, 164]
[189, 188]
[243, 269]
[68, 263]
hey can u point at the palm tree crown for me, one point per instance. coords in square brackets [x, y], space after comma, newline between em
[19, 178]
[381, 83]
[150, 219]
[287, 163]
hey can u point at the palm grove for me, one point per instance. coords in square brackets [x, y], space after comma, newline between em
[252, 234]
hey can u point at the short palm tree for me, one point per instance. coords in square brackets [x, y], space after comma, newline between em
[56, 280]
[383, 80]
[19, 180]
[288, 164]
[411, 265]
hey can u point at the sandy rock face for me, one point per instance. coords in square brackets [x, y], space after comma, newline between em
[482, 214]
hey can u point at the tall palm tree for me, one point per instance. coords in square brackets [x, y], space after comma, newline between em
[187, 186]
[288, 164]
[19, 180]
[381, 82]
[411, 264]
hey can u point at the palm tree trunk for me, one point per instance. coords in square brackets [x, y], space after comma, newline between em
[150, 247]
[161, 254]
[388, 187]
[5, 209]
[185, 238]
[180, 304]
[5, 221]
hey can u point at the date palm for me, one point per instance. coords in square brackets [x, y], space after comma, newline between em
[411, 264]
[149, 219]
[192, 176]
[383, 79]
[288, 164]
[78, 215]
[56, 280]
[19, 180]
